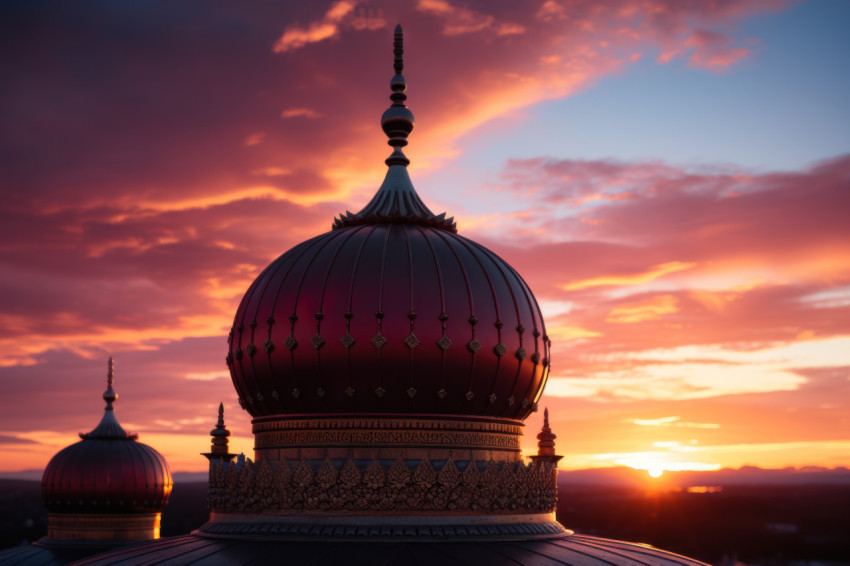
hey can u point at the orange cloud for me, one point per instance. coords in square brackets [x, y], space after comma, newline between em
[652, 274]
[460, 20]
[651, 309]
[340, 14]
[300, 112]
[254, 139]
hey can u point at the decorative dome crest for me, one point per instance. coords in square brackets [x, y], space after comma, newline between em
[108, 427]
[396, 201]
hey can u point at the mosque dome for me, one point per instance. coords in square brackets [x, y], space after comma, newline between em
[107, 472]
[391, 312]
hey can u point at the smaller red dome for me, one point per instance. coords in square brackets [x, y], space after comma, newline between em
[108, 471]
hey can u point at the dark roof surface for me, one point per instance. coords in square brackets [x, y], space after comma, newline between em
[573, 549]
[35, 555]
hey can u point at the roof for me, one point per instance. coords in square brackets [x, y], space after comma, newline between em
[570, 549]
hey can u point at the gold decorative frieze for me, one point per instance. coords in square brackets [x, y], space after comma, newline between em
[453, 487]
[387, 432]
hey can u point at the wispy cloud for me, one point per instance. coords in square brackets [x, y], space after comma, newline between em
[339, 15]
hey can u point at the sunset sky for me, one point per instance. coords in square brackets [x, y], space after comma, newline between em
[672, 179]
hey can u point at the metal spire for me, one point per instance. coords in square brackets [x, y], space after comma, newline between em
[398, 121]
[219, 450]
[110, 396]
[108, 427]
[546, 442]
[396, 200]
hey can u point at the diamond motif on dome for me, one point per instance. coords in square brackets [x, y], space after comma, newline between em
[535, 358]
[442, 393]
[259, 396]
[320, 392]
[469, 395]
[268, 346]
[411, 392]
[251, 349]
[524, 403]
[520, 354]
[275, 394]
[545, 362]
[379, 340]
[317, 341]
[349, 391]
[296, 393]
[291, 343]
[237, 354]
[412, 341]
[492, 397]
[228, 360]
[444, 342]
[473, 345]
[380, 392]
[347, 340]
[511, 401]
[500, 350]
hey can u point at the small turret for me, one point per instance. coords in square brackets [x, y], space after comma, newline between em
[546, 442]
[219, 449]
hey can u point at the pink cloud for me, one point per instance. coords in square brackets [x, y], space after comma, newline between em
[713, 50]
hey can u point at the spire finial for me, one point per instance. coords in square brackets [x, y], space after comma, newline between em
[109, 395]
[108, 426]
[398, 120]
[220, 423]
[219, 450]
[546, 441]
[396, 200]
[398, 49]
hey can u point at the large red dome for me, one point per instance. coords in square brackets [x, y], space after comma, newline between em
[392, 312]
[389, 317]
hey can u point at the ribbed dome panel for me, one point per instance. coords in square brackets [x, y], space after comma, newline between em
[106, 476]
[389, 318]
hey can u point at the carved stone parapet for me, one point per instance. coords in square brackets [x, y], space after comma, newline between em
[374, 487]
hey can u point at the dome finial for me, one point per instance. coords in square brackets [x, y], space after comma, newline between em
[397, 122]
[109, 395]
[219, 450]
[398, 49]
[546, 441]
[396, 199]
[109, 426]
[220, 423]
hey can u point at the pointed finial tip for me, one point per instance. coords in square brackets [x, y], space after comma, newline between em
[109, 395]
[398, 28]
